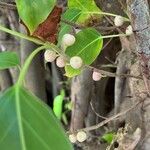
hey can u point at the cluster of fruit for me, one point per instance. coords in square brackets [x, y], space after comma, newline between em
[75, 62]
[61, 61]
[119, 21]
[81, 136]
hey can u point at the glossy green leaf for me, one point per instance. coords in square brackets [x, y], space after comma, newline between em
[108, 137]
[88, 46]
[71, 72]
[8, 59]
[58, 104]
[26, 123]
[34, 12]
[84, 5]
[70, 15]
[64, 119]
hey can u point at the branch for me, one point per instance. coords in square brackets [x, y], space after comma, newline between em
[110, 74]
[110, 119]
[96, 112]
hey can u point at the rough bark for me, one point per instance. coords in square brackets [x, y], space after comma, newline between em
[140, 20]
[123, 60]
[80, 96]
[139, 11]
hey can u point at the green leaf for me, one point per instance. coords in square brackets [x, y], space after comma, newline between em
[108, 137]
[58, 104]
[8, 59]
[84, 5]
[64, 119]
[71, 72]
[26, 123]
[88, 46]
[34, 12]
[70, 15]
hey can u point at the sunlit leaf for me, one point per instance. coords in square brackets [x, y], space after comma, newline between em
[64, 119]
[88, 46]
[58, 104]
[108, 137]
[84, 5]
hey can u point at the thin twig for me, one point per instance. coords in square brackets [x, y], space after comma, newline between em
[108, 42]
[75, 25]
[96, 112]
[112, 23]
[108, 66]
[106, 28]
[110, 119]
[110, 74]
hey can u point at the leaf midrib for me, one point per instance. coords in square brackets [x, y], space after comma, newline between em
[19, 117]
[88, 45]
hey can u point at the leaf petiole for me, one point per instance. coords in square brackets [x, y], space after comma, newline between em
[27, 64]
[20, 35]
[104, 13]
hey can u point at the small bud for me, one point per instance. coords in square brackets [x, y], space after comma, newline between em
[76, 62]
[68, 40]
[60, 62]
[50, 55]
[72, 138]
[129, 30]
[96, 76]
[81, 136]
[118, 21]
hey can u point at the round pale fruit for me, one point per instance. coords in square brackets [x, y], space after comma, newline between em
[76, 62]
[50, 55]
[68, 40]
[60, 62]
[81, 136]
[129, 30]
[118, 21]
[72, 138]
[96, 76]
